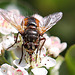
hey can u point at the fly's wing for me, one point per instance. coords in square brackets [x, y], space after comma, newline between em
[51, 20]
[47, 22]
[8, 19]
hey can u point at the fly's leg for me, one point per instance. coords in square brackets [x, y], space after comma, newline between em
[37, 52]
[43, 42]
[21, 55]
[42, 45]
[14, 43]
[30, 54]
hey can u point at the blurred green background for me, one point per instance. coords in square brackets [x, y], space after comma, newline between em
[64, 29]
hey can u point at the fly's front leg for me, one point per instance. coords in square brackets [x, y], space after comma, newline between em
[14, 43]
[21, 55]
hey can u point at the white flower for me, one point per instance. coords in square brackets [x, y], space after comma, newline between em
[54, 45]
[6, 69]
[20, 71]
[10, 70]
[42, 60]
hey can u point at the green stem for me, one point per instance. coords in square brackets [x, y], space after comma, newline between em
[13, 55]
[3, 60]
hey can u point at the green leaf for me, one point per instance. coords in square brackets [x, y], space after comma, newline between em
[3, 59]
[63, 69]
[70, 59]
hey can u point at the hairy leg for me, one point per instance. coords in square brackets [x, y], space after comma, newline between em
[14, 43]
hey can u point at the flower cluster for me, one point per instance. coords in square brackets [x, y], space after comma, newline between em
[54, 45]
[10, 70]
[52, 48]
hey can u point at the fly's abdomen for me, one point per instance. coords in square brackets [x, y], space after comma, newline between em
[31, 35]
[31, 39]
[31, 46]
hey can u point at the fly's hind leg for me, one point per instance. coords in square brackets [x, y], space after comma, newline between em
[39, 49]
[42, 44]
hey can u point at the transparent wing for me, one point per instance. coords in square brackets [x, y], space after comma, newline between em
[8, 19]
[13, 16]
[51, 20]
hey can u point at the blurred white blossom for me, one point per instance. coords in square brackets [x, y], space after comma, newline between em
[10, 70]
[54, 46]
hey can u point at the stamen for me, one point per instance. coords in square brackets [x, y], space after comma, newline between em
[33, 59]
[44, 55]
[36, 64]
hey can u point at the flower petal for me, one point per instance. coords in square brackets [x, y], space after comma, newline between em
[39, 71]
[1, 72]
[23, 63]
[48, 62]
[55, 39]
[20, 71]
[7, 41]
[47, 43]
[54, 51]
[63, 46]
[5, 31]
[10, 70]
[7, 69]
[17, 50]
